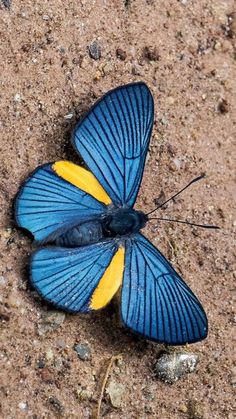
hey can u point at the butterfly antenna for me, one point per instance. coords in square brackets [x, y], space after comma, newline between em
[178, 193]
[186, 222]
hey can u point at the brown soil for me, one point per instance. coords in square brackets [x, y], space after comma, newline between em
[185, 51]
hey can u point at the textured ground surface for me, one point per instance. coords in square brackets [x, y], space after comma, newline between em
[185, 51]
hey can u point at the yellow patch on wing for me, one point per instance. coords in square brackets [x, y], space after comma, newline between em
[110, 281]
[81, 178]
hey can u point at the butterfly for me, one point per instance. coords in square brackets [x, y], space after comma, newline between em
[86, 217]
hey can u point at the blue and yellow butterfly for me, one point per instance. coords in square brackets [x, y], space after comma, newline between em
[88, 214]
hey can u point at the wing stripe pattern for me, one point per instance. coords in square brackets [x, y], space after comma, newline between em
[125, 133]
[100, 133]
[75, 294]
[115, 154]
[98, 166]
[111, 127]
[111, 161]
[69, 277]
[117, 123]
[113, 140]
[163, 302]
[48, 204]
[188, 299]
[140, 127]
[126, 126]
[135, 124]
[155, 301]
[178, 327]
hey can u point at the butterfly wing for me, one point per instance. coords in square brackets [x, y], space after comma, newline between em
[57, 197]
[79, 279]
[155, 301]
[113, 140]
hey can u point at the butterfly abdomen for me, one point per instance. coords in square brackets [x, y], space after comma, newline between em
[86, 233]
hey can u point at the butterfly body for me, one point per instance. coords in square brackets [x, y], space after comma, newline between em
[88, 216]
[116, 222]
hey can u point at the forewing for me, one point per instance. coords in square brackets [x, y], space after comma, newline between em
[113, 140]
[57, 197]
[155, 301]
[79, 279]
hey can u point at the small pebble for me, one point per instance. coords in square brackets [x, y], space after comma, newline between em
[217, 45]
[195, 410]
[95, 50]
[4, 316]
[136, 70]
[82, 394]
[222, 106]
[170, 367]
[62, 50]
[107, 68]
[227, 46]
[61, 343]
[149, 393]
[41, 362]
[171, 149]
[6, 3]
[56, 405]
[47, 376]
[23, 406]
[69, 116]
[177, 162]
[163, 121]
[7, 233]
[3, 281]
[170, 100]
[51, 320]
[121, 54]
[98, 75]
[127, 3]
[58, 363]
[151, 53]
[13, 300]
[116, 393]
[83, 351]
[233, 377]
[49, 355]
[24, 15]
[160, 199]
[232, 23]
[17, 98]
[183, 408]
[120, 362]
[149, 410]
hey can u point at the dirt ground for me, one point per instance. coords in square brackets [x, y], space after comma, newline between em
[186, 52]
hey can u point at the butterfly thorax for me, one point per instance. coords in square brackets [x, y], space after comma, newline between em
[123, 221]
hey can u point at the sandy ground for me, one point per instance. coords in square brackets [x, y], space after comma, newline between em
[185, 51]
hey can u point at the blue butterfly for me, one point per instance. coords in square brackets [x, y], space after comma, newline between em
[89, 217]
